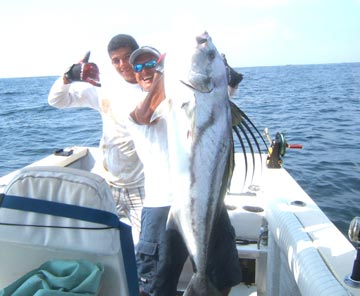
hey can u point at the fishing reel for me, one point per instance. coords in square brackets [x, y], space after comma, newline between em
[353, 279]
[277, 149]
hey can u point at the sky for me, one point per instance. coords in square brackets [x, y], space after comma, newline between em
[44, 37]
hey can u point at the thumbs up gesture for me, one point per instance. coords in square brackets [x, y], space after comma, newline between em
[84, 71]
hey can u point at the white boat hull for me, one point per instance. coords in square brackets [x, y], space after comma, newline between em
[305, 253]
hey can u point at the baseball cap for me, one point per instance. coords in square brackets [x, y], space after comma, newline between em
[142, 50]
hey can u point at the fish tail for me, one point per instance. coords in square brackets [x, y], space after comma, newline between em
[201, 286]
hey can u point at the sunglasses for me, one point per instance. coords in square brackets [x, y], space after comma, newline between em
[147, 65]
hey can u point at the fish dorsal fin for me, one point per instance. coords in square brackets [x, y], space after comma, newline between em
[236, 114]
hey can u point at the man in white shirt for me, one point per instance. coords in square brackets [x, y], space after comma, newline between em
[120, 164]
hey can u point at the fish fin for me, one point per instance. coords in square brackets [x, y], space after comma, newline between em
[248, 135]
[239, 117]
[236, 114]
[230, 166]
[201, 286]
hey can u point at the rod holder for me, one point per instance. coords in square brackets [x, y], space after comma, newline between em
[353, 279]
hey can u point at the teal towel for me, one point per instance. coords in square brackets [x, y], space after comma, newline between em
[59, 278]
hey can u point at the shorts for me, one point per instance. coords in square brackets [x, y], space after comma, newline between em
[129, 204]
[161, 254]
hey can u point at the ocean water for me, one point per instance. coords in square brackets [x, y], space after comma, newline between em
[317, 106]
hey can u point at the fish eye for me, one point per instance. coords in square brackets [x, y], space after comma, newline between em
[212, 54]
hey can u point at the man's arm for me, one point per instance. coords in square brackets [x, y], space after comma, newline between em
[145, 109]
[63, 95]
[72, 95]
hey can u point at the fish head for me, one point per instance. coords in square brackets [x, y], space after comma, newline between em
[195, 84]
[207, 70]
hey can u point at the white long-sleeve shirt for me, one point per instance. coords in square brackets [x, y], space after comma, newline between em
[151, 144]
[114, 100]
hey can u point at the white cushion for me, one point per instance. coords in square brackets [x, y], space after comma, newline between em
[64, 185]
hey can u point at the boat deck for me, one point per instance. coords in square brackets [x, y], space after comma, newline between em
[241, 289]
[244, 290]
[298, 257]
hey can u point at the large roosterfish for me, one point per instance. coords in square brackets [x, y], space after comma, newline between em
[200, 123]
[200, 153]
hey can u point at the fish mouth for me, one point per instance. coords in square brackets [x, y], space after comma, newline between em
[206, 86]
